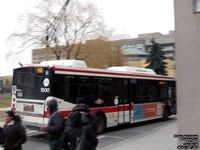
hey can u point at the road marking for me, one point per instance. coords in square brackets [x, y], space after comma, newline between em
[31, 131]
[101, 137]
[109, 136]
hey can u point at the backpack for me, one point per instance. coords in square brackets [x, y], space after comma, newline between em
[87, 117]
[1, 136]
[88, 139]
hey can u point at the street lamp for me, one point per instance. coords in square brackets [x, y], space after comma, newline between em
[197, 6]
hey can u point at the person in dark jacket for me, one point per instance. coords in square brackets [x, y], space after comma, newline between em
[55, 125]
[72, 131]
[88, 139]
[1, 136]
[14, 132]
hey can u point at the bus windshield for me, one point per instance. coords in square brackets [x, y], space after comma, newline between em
[24, 79]
[30, 84]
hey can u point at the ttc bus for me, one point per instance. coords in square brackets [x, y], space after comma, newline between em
[117, 95]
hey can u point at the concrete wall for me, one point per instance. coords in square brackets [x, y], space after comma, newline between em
[187, 36]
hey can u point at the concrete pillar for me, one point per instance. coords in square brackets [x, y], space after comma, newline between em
[187, 39]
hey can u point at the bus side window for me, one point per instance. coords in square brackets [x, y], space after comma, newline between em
[85, 90]
[143, 91]
[105, 90]
[140, 94]
[58, 88]
[163, 90]
[73, 90]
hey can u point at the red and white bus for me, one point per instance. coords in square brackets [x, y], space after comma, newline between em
[117, 95]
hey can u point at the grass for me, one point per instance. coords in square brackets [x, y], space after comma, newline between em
[2, 113]
[5, 102]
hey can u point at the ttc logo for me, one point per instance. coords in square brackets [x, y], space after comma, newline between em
[99, 101]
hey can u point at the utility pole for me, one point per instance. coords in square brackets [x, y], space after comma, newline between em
[51, 30]
[47, 45]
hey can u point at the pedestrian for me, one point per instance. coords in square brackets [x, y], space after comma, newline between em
[72, 131]
[88, 139]
[14, 132]
[55, 125]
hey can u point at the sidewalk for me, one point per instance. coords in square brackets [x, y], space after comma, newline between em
[160, 139]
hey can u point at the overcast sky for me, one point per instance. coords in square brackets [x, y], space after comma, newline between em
[130, 17]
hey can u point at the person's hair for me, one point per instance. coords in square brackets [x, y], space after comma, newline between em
[16, 118]
[80, 100]
[10, 113]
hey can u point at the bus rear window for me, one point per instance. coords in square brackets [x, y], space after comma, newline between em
[25, 79]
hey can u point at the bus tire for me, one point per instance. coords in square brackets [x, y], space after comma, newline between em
[165, 114]
[101, 123]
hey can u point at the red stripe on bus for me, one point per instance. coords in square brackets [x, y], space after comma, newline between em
[112, 109]
[65, 113]
[110, 73]
[93, 110]
[13, 109]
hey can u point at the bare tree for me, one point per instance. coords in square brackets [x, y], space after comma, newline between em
[79, 22]
[100, 54]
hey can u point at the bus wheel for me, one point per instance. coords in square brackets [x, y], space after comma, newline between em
[165, 114]
[101, 123]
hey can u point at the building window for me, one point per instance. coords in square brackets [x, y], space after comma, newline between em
[7, 82]
[197, 6]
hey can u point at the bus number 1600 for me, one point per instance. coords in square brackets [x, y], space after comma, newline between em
[45, 90]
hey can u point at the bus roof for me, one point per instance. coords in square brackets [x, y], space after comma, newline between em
[67, 63]
[133, 70]
[78, 67]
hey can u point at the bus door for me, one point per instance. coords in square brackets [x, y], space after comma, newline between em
[124, 104]
[172, 97]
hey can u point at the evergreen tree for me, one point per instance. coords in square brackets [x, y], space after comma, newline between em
[156, 59]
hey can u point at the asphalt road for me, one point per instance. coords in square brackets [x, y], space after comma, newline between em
[39, 141]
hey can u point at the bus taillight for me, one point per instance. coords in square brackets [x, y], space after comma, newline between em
[13, 99]
[13, 105]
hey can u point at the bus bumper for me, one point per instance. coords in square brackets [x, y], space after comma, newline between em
[32, 126]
